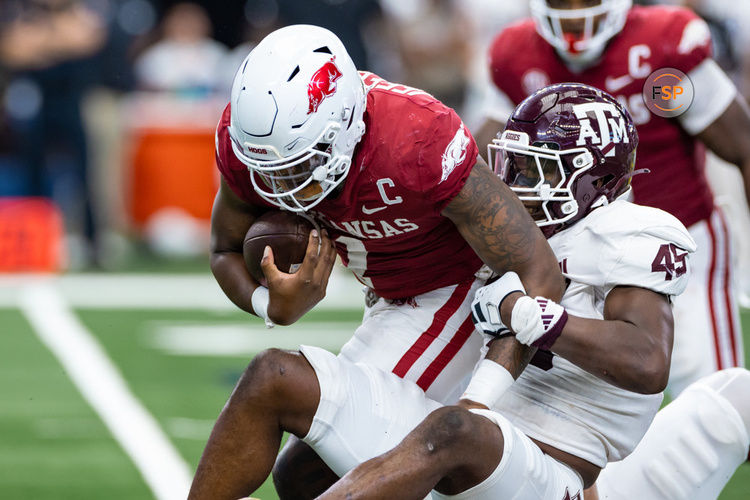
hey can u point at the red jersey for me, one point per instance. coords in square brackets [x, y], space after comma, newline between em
[521, 62]
[386, 221]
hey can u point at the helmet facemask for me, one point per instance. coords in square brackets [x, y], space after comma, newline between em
[301, 181]
[540, 175]
[599, 23]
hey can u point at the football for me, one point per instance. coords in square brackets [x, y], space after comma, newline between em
[286, 234]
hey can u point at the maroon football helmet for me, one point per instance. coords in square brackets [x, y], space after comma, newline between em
[567, 149]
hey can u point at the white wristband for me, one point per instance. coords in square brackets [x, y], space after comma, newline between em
[259, 301]
[489, 382]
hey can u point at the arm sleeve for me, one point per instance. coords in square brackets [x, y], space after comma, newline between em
[713, 92]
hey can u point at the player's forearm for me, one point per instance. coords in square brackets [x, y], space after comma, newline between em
[230, 220]
[618, 352]
[231, 274]
[506, 359]
[510, 354]
[543, 279]
[494, 222]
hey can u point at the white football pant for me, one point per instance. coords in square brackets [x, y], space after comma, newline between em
[525, 472]
[430, 341]
[693, 446]
[363, 411]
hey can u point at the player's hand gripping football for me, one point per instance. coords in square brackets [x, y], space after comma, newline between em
[535, 321]
[292, 295]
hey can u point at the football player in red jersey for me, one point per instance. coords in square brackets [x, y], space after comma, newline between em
[612, 45]
[395, 179]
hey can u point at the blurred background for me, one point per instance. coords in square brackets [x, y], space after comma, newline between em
[117, 349]
[107, 107]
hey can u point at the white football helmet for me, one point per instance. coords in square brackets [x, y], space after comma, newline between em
[600, 21]
[297, 106]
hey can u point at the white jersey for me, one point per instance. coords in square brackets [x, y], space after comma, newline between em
[562, 405]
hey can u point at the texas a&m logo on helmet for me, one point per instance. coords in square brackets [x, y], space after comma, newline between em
[602, 124]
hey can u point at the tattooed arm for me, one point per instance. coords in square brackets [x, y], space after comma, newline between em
[494, 222]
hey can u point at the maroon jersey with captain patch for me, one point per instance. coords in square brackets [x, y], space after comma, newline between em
[413, 159]
[521, 62]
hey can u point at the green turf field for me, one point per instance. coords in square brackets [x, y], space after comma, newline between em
[179, 364]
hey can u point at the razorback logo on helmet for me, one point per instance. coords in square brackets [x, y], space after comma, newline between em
[612, 128]
[322, 84]
[455, 152]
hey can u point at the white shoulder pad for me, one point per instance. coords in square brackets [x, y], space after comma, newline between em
[627, 244]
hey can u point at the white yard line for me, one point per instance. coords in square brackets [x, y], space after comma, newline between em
[243, 339]
[161, 291]
[164, 470]
[189, 428]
